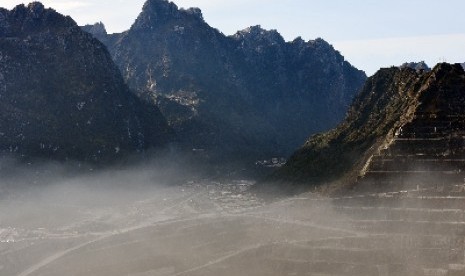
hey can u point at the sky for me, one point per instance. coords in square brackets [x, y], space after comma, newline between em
[370, 34]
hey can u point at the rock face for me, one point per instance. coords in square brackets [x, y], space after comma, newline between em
[248, 93]
[61, 94]
[98, 30]
[428, 150]
[416, 65]
[404, 128]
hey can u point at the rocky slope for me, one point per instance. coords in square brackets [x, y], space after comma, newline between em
[61, 94]
[251, 94]
[425, 107]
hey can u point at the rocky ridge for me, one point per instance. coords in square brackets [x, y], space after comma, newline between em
[416, 65]
[250, 94]
[400, 114]
[98, 30]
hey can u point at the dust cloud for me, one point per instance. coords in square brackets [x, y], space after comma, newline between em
[161, 217]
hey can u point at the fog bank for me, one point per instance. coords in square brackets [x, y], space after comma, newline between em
[159, 218]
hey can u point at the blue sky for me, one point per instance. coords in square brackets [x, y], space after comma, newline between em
[369, 33]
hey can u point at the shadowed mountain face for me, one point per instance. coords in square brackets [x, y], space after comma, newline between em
[61, 94]
[248, 93]
[401, 117]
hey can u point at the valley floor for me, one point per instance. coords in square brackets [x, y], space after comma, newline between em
[214, 228]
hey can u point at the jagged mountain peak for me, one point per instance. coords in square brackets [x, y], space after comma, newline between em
[320, 43]
[298, 40]
[194, 11]
[155, 12]
[416, 65]
[317, 43]
[35, 10]
[98, 30]
[258, 34]
[256, 29]
[159, 6]
[23, 20]
[447, 67]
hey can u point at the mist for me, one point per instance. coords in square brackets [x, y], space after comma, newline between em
[163, 217]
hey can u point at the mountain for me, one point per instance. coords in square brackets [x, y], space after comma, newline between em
[98, 30]
[63, 97]
[416, 65]
[250, 95]
[403, 125]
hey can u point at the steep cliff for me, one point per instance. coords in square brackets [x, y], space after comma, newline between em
[390, 104]
[61, 94]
